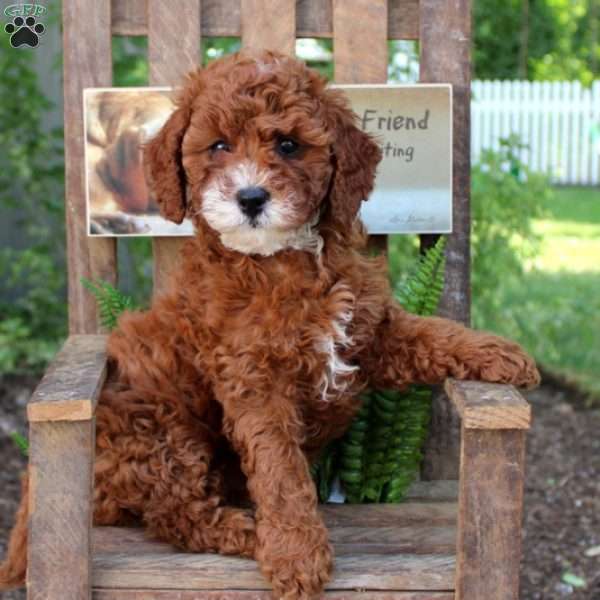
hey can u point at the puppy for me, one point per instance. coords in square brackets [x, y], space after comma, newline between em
[222, 393]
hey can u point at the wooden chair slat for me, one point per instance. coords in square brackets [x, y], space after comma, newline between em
[488, 555]
[314, 18]
[347, 540]
[269, 24]
[445, 35]
[173, 51]
[71, 385]
[213, 572]
[360, 41]
[60, 510]
[120, 594]
[489, 405]
[445, 29]
[393, 547]
[87, 64]
[353, 63]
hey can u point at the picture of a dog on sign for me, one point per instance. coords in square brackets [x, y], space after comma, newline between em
[117, 125]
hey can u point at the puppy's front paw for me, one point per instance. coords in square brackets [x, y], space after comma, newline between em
[297, 560]
[507, 362]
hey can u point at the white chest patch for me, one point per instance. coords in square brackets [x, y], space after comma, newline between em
[253, 240]
[334, 377]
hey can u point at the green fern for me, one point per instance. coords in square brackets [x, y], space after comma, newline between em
[420, 292]
[379, 456]
[111, 302]
[21, 442]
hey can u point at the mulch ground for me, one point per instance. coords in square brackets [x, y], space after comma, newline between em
[562, 498]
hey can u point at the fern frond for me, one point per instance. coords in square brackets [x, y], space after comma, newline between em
[21, 442]
[111, 302]
[421, 291]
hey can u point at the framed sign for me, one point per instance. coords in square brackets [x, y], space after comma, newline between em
[413, 191]
[413, 124]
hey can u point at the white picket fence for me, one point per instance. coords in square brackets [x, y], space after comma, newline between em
[559, 121]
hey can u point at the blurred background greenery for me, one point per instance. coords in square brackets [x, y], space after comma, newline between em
[536, 249]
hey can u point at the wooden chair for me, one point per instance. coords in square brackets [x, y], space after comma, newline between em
[432, 547]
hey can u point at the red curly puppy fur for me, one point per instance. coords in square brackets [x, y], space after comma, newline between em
[224, 390]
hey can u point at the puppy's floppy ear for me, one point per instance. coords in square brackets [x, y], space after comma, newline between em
[355, 158]
[164, 169]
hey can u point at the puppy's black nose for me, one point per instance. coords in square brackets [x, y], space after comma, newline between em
[252, 199]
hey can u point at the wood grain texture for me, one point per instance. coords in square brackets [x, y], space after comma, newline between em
[489, 405]
[258, 595]
[445, 42]
[60, 487]
[490, 514]
[173, 51]
[70, 387]
[87, 63]
[360, 41]
[223, 18]
[445, 35]
[415, 528]
[433, 491]
[165, 252]
[269, 24]
[382, 515]
[403, 19]
[360, 53]
[214, 572]
[348, 541]
[378, 547]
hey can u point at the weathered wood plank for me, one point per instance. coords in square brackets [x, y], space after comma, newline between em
[433, 491]
[87, 63]
[214, 572]
[403, 19]
[490, 514]
[357, 25]
[129, 17]
[445, 34]
[382, 547]
[445, 42]
[60, 486]
[489, 405]
[269, 24]
[421, 528]
[71, 385]
[173, 51]
[397, 515]
[165, 252]
[223, 18]
[390, 539]
[257, 595]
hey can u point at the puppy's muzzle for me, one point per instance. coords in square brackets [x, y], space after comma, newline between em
[252, 200]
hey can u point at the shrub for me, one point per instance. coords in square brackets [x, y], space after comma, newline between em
[32, 307]
[506, 198]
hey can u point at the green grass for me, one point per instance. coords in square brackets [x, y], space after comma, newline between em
[554, 309]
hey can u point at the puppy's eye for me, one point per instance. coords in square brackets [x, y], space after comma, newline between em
[287, 147]
[220, 146]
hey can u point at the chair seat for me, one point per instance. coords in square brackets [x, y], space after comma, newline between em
[383, 552]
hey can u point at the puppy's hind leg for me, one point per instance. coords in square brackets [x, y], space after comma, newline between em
[163, 471]
[14, 566]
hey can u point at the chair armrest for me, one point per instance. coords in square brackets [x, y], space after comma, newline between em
[489, 406]
[71, 385]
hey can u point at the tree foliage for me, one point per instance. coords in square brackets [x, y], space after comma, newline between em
[536, 39]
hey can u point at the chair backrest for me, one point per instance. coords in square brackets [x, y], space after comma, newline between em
[360, 30]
